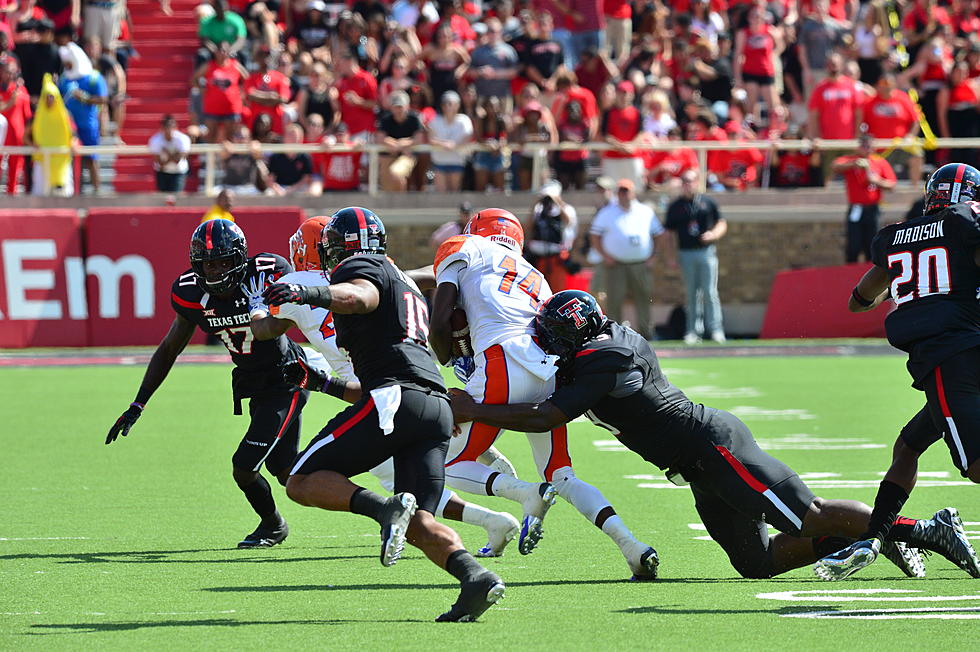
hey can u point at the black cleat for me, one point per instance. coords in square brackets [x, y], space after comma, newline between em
[264, 537]
[398, 512]
[475, 597]
[944, 533]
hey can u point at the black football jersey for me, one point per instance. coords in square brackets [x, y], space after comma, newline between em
[617, 383]
[257, 363]
[389, 345]
[934, 284]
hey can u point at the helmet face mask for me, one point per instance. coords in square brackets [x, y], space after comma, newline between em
[219, 256]
[566, 321]
[350, 231]
[951, 184]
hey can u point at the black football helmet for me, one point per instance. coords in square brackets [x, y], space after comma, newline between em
[568, 320]
[216, 240]
[951, 184]
[351, 230]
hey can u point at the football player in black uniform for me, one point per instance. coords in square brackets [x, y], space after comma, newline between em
[930, 267]
[611, 375]
[400, 406]
[209, 296]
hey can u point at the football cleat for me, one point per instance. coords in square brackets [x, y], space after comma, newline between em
[502, 529]
[908, 560]
[536, 506]
[496, 461]
[944, 532]
[475, 597]
[848, 561]
[264, 537]
[398, 512]
[645, 570]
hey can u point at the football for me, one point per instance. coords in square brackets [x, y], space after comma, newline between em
[460, 333]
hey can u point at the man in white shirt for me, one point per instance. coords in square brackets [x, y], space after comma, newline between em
[170, 148]
[625, 233]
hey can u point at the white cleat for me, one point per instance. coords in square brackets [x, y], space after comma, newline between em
[501, 531]
[536, 505]
[644, 564]
[848, 561]
[399, 510]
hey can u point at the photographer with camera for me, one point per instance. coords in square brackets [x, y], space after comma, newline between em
[552, 234]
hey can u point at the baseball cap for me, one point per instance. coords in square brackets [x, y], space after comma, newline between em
[625, 183]
[551, 189]
[606, 183]
[625, 86]
[399, 98]
[450, 96]
[317, 5]
[532, 106]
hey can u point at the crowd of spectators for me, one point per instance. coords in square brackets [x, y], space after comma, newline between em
[509, 74]
[84, 46]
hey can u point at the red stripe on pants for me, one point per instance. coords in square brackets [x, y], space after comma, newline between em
[743, 472]
[496, 390]
[354, 420]
[941, 391]
[559, 452]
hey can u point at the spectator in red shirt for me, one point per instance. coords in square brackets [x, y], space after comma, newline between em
[890, 113]
[741, 166]
[222, 78]
[595, 70]
[339, 171]
[865, 175]
[15, 105]
[622, 128]
[833, 106]
[267, 91]
[920, 23]
[569, 91]
[965, 22]
[756, 49]
[586, 22]
[959, 117]
[666, 167]
[794, 169]
[358, 91]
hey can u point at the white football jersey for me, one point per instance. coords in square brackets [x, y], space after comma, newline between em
[316, 324]
[498, 289]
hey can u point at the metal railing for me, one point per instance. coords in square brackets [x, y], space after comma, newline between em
[537, 151]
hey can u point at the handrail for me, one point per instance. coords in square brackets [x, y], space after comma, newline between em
[536, 150]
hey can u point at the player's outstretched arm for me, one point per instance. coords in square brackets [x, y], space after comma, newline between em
[870, 291]
[355, 297]
[269, 328]
[424, 277]
[522, 417]
[175, 341]
[440, 325]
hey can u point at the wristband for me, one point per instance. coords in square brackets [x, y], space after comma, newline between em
[137, 405]
[334, 387]
[319, 296]
[859, 299]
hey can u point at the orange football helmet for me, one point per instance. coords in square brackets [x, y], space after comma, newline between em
[303, 244]
[497, 225]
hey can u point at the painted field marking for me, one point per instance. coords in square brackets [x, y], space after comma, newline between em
[807, 442]
[862, 595]
[44, 539]
[714, 391]
[919, 613]
[765, 414]
[828, 480]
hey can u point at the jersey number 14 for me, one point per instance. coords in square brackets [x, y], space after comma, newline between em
[928, 273]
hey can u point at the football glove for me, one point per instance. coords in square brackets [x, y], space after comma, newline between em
[300, 374]
[253, 292]
[463, 367]
[124, 422]
[280, 293]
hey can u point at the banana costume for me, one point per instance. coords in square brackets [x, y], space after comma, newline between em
[52, 128]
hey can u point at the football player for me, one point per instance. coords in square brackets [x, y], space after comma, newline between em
[483, 272]
[610, 374]
[401, 409]
[318, 328]
[928, 266]
[209, 296]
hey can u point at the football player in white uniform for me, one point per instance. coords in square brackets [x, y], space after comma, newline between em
[483, 273]
[317, 326]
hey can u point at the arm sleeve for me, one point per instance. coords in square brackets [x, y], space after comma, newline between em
[583, 394]
[598, 223]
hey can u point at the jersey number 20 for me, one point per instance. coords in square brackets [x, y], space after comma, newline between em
[929, 274]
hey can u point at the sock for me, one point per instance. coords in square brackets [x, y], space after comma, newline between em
[470, 477]
[615, 529]
[888, 501]
[367, 503]
[259, 496]
[477, 515]
[463, 566]
[902, 530]
[823, 546]
[443, 501]
[591, 504]
[507, 487]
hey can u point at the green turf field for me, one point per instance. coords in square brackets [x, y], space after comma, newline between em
[131, 546]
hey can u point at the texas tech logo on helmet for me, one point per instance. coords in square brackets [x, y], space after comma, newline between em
[574, 309]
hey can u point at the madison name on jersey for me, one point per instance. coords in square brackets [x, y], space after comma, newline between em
[934, 284]
[498, 289]
[389, 345]
[256, 362]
